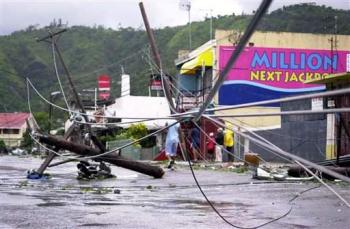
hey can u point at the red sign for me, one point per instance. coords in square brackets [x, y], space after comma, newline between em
[104, 88]
[156, 85]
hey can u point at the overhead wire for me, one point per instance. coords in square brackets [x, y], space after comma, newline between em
[29, 106]
[324, 183]
[138, 120]
[79, 113]
[215, 209]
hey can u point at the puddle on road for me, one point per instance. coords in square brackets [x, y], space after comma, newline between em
[104, 203]
[97, 225]
[52, 204]
[295, 225]
[6, 168]
[200, 202]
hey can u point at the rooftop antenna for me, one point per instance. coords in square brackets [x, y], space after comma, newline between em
[186, 5]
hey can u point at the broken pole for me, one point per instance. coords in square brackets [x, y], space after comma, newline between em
[51, 154]
[112, 158]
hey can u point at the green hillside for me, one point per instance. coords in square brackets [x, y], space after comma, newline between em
[89, 52]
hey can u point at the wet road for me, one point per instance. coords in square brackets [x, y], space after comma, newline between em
[134, 200]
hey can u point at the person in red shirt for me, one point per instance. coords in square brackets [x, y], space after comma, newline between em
[211, 147]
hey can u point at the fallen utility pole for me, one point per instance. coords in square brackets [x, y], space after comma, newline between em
[112, 158]
[299, 171]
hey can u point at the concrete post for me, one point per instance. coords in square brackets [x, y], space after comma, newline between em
[331, 137]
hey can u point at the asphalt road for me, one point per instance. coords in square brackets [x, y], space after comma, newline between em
[134, 200]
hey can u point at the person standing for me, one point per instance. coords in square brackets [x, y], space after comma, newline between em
[211, 147]
[228, 143]
[195, 137]
[219, 144]
[171, 143]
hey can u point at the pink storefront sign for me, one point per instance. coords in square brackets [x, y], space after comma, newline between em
[283, 69]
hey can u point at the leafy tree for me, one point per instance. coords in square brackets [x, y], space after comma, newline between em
[3, 148]
[42, 118]
[27, 140]
[137, 131]
[134, 132]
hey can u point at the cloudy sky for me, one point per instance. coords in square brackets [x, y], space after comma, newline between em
[19, 14]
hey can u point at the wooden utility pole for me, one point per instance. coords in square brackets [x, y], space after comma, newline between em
[157, 59]
[52, 36]
[77, 99]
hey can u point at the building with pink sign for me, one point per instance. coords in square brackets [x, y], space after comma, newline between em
[273, 65]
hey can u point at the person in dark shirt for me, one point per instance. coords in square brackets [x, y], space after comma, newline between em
[195, 137]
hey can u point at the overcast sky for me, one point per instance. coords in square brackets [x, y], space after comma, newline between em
[19, 14]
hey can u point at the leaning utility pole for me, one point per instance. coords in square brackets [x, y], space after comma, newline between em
[157, 59]
[52, 36]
